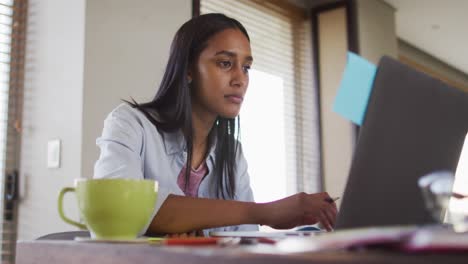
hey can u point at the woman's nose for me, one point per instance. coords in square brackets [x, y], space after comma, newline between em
[239, 77]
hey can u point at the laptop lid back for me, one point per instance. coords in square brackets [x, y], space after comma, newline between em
[414, 125]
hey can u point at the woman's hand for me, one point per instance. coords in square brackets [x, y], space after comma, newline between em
[181, 214]
[301, 209]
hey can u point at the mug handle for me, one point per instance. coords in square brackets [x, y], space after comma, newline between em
[60, 209]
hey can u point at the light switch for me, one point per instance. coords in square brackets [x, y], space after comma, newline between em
[53, 154]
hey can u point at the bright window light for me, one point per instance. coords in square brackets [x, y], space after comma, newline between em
[262, 136]
[461, 181]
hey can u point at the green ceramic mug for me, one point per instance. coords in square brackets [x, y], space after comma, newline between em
[112, 208]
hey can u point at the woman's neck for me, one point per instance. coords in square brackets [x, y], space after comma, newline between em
[202, 125]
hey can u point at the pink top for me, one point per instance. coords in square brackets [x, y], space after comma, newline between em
[196, 176]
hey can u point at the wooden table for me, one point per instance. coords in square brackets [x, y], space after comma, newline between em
[53, 251]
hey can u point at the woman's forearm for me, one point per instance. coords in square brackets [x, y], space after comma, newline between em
[180, 214]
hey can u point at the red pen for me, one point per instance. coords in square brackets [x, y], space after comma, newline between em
[266, 240]
[191, 241]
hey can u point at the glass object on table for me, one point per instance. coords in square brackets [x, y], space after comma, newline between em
[437, 190]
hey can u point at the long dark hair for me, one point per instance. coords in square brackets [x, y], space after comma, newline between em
[171, 108]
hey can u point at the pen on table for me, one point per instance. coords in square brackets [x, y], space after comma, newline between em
[332, 200]
[459, 196]
[191, 241]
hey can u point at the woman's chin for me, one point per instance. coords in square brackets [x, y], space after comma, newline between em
[229, 115]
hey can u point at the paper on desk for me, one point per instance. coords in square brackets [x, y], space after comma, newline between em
[355, 88]
[346, 239]
[436, 240]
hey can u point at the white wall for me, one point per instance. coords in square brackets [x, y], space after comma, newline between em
[82, 58]
[376, 29]
[127, 46]
[337, 132]
[410, 54]
[376, 37]
[52, 109]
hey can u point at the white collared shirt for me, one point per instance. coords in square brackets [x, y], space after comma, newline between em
[132, 147]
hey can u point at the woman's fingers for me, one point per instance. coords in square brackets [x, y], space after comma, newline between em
[321, 218]
[331, 217]
[303, 209]
[330, 210]
[324, 208]
[325, 221]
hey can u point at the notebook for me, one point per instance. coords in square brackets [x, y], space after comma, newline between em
[401, 238]
[414, 125]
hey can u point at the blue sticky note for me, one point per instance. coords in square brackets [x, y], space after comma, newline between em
[355, 89]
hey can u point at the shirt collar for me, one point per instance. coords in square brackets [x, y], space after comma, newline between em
[174, 143]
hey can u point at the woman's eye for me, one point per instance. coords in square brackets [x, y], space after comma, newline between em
[225, 64]
[246, 68]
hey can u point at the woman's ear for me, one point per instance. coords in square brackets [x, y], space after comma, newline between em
[189, 77]
[190, 72]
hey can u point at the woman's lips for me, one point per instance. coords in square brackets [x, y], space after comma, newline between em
[236, 99]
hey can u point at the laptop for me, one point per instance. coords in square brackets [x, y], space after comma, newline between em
[414, 125]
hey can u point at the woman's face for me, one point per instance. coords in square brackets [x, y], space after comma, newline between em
[220, 76]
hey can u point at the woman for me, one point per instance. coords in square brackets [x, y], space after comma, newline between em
[185, 139]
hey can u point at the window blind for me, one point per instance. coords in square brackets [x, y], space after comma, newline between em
[281, 46]
[12, 39]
